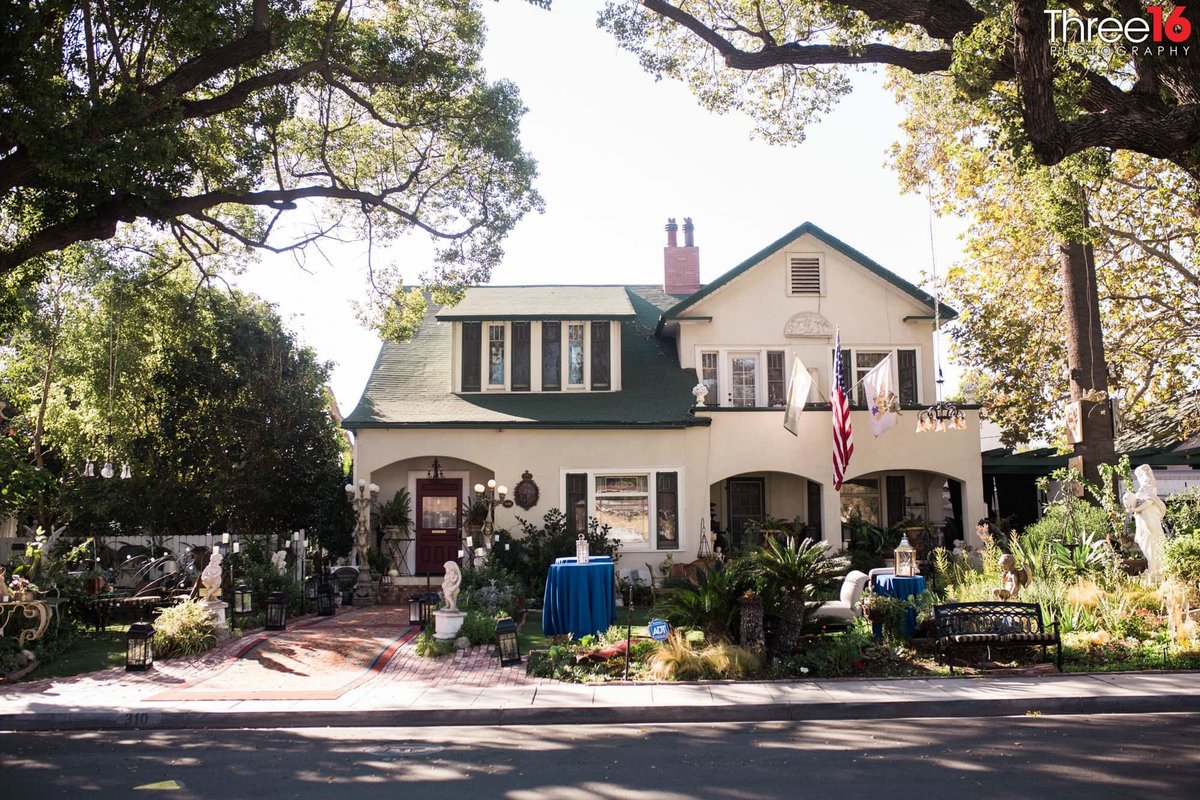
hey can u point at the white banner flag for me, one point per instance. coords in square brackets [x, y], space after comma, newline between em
[881, 398]
[797, 396]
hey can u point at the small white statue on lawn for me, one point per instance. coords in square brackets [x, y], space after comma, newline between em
[450, 585]
[279, 561]
[210, 579]
[1148, 511]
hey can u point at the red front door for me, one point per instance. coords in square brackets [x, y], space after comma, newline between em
[439, 517]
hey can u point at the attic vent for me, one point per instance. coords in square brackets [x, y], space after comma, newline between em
[804, 274]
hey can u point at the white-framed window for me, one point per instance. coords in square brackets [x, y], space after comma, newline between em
[805, 274]
[740, 377]
[551, 356]
[641, 506]
[496, 355]
[709, 369]
[858, 361]
[623, 503]
[576, 353]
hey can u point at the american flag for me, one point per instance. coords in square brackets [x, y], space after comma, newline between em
[843, 436]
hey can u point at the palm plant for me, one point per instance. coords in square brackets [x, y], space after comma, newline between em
[790, 580]
[708, 602]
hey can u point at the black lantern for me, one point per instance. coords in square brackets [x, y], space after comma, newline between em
[276, 611]
[324, 599]
[506, 639]
[243, 600]
[414, 610]
[139, 647]
[428, 604]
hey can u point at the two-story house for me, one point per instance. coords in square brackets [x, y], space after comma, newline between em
[589, 391]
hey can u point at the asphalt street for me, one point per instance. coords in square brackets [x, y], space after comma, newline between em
[1135, 756]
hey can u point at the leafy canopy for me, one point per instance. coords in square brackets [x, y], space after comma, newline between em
[210, 119]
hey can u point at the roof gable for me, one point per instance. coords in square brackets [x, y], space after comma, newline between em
[540, 302]
[918, 294]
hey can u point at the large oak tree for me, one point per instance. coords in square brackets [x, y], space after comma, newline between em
[210, 118]
[784, 62]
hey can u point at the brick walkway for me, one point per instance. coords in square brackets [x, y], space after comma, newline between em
[474, 668]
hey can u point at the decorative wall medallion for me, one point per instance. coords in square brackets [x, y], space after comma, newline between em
[526, 493]
[808, 324]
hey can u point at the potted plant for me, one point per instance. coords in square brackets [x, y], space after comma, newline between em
[475, 514]
[395, 516]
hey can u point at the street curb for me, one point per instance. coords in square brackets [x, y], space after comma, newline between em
[143, 719]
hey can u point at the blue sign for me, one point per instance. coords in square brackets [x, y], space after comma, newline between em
[659, 630]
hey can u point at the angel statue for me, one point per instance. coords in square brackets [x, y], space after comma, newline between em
[450, 585]
[210, 578]
[1148, 511]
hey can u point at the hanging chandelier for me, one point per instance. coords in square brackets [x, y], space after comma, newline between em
[943, 415]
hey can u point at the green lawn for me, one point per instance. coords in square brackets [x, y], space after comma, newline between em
[531, 637]
[93, 651]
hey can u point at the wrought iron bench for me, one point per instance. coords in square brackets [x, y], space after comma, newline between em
[993, 624]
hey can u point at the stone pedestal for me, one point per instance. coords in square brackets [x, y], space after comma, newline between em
[446, 624]
[217, 609]
[364, 590]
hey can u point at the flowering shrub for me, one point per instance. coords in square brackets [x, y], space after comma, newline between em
[186, 629]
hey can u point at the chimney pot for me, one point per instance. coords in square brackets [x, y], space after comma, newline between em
[681, 265]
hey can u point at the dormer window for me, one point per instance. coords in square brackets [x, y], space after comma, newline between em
[804, 274]
[538, 338]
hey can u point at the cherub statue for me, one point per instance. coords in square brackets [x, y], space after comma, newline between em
[279, 561]
[1148, 511]
[210, 578]
[1013, 578]
[450, 585]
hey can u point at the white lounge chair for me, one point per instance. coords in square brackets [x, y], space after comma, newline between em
[843, 610]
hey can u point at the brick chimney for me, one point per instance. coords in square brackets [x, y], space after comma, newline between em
[681, 265]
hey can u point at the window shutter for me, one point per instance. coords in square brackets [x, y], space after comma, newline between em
[667, 503]
[895, 499]
[520, 356]
[600, 360]
[906, 363]
[847, 377]
[814, 506]
[551, 356]
[576, 503]
[804, 274]
[472, 334]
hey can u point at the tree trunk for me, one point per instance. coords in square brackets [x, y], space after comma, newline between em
[1085, 359]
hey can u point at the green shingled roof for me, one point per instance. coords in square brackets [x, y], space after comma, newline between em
[410, 383]
[677, 310]
[541, 302]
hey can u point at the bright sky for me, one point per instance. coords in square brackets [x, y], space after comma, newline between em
[618, 154]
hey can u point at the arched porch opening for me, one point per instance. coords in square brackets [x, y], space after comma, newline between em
[896, 499]
[437, 493]
[738, 500]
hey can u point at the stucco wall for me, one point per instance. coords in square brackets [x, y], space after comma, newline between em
[548, 455]
[753, 308]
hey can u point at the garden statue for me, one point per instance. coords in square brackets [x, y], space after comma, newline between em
[210, 579]
[1148, 511]
[450, 585]
[700, 392]
[279, 561]
[1012, 578]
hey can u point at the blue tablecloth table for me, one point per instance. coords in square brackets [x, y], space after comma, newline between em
[903, 588]
[580, 598]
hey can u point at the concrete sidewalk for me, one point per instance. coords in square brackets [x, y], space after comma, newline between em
[470, 688]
